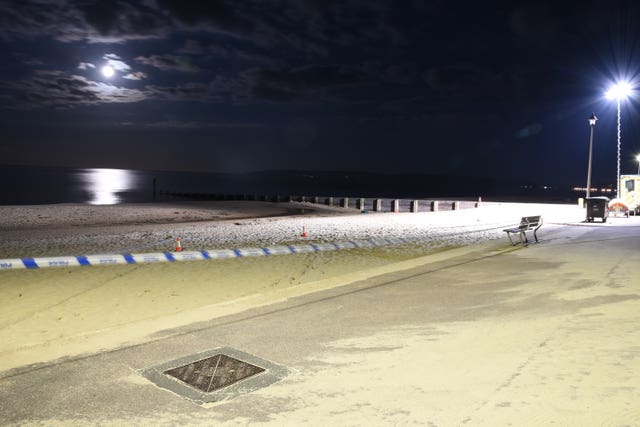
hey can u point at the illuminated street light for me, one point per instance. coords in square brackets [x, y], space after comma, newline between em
[618, 92]
[592, 124]
[638, 160]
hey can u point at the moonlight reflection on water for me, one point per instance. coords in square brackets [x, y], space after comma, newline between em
[104, 185]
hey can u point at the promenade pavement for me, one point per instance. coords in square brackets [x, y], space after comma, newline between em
[487, 335]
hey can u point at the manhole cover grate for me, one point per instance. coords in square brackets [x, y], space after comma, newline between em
[214, 372]
[215, 375]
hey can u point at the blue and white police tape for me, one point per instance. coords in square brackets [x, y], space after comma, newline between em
[107, 259]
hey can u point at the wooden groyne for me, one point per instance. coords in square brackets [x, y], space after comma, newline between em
[369, 204]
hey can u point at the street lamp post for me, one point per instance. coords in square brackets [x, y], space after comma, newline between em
[638, 160]
[592, 124]
[619, 92]
[618, 167]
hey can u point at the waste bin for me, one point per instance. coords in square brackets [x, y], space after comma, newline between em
[597, 207]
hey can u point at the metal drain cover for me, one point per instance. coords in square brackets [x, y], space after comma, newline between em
[215, 375]
[214, 372]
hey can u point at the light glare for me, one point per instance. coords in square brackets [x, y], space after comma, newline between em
[619, 91]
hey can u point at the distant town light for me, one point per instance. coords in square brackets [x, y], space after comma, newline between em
[594, 189]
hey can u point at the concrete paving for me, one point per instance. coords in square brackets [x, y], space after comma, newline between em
[496, 335]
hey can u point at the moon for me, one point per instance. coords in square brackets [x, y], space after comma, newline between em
[108, 71]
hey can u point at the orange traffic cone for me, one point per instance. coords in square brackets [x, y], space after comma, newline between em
[178, 245]
[304, 232]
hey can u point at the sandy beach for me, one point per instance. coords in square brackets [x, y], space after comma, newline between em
[95, 308]
[70, 229]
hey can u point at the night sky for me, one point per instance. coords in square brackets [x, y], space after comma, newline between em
[498, 89]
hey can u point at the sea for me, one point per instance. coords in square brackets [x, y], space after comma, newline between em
[29, 185]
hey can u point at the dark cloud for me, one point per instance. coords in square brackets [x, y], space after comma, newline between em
[57, 90]
[30, 19]
[314, 28]
[177, 124]
[138, 75]
[309, 78]
[93, 21]
[228, 52]
[351, 22]
[200, 92]
[289, 85]
[475, 85]
[168, 62]
[229, 17]
[274, 94]
[115, 21]
[264, 24]
[103, 16]
[194, 47]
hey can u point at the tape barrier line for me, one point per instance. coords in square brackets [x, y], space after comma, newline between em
[212, 254]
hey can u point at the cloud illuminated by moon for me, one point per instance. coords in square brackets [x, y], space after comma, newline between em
[107, 71]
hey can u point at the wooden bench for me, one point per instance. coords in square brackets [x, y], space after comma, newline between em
[527, 223]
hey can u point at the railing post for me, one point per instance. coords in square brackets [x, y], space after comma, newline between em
[377, 205]
[330, 201]
[360, 204]
[395, 205]
[345, 202]
[415, 206]
[456, 206]
[434, 206]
